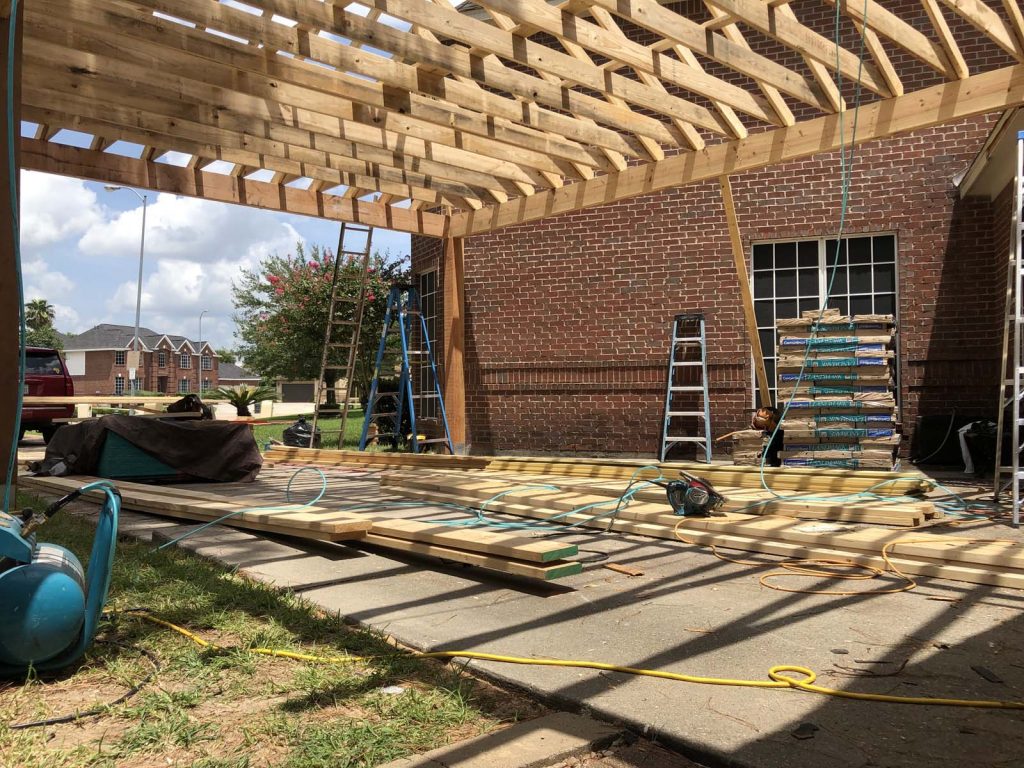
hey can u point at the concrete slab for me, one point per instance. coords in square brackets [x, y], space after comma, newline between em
[690, 613]
[533, 744]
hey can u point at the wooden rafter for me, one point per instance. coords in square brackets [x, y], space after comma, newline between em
[520, 110]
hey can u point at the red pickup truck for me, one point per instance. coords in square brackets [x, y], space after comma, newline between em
[45, 376]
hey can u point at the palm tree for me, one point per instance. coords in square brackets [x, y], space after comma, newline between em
[242, 396]
[39, 313]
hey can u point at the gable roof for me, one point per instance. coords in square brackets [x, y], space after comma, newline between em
[117, 337]
[232, 371]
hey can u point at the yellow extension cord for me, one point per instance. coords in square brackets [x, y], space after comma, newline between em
[778, 678]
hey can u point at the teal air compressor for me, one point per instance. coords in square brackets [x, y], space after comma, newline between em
[49, 606]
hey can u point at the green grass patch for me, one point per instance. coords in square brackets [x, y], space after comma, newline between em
[329, 428]
[230, 708]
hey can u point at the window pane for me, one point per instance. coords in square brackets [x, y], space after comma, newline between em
[860, 278]
[785, 255]
[808, 253]
[839, 283]
[767, 342]
[808, 280]
[861, 305]
[763, 313]
[885, 277]
[860, 250]
[763, 256]
[785, 283]
[42, 364]
[885, 304]
[786, 308]
[806, 305]
[763, 284]
[830, 252]
[885, 248]
[841, 303]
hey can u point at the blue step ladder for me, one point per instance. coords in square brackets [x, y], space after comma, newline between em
[686, 389]
[404, 314]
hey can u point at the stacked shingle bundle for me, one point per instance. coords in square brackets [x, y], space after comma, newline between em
[844, 411]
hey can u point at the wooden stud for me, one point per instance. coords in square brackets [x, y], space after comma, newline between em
[740, 260]
[453, 363]
[953, 54]
[989, 22]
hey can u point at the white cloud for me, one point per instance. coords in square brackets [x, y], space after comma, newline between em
[54, 208]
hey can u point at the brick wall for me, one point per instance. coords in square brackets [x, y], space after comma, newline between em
[568, 318]
[101, 373]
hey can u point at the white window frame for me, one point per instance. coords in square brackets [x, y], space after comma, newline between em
[120, 357]
[119, 384]
[427, 406]
[824, 272]
[185, 361]
[206, 361]
[161, 359]
[184, 384]
[206, 386]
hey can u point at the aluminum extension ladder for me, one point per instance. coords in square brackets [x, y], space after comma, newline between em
[1011, 374]
[687, 381]
[404, 312]
[344, 326]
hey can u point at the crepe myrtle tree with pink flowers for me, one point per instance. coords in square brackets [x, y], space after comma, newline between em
[281, 312]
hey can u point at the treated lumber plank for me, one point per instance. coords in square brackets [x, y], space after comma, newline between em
[975, 574]
[488, 542]
[548, 572]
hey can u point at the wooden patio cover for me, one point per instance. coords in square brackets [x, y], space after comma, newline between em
[420, 117]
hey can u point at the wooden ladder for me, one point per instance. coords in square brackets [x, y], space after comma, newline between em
[344, 326]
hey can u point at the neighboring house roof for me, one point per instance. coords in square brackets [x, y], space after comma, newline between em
[117, 337]
[232, 371]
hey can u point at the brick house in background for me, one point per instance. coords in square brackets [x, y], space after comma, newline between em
[97, 361]
[567, 319]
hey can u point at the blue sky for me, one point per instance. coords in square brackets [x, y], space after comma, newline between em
[80, 246]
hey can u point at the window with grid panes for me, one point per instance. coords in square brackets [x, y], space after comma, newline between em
[161, 359]
[185, 360]
[427, 287]
[791, 277]
[183, 386]
[120, 357]
[206, 362]
[119, 385]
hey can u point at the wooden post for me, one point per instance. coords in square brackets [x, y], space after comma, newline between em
[9, 299]
[740, 258]
[455, 341]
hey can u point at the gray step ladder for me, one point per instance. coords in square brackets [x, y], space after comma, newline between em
[344, 326]
[1011, 373]
[687, 408]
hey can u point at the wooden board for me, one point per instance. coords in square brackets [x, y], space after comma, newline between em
[549, 572]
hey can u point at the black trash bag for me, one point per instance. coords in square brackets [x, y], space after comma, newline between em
[981, 443]
[191, 404]
[298, 434]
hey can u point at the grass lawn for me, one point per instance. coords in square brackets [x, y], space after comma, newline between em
[328, 428]
[220, 709]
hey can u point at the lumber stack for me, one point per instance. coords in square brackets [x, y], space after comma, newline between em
[571, 492]
[747, 447]
[504, 552]
[843, 413]
[996, 563]
[795, 479]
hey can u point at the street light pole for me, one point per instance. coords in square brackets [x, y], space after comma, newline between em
[199, 377]
[138, 292]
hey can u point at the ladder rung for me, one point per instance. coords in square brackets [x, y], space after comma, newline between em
[433, 440]
[695, 362]
[684, 439]
[686, 413]
[688, 339]
[694, 388]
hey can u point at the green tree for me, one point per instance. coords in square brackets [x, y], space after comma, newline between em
[39, 313]
[281, 314]
[227, 355]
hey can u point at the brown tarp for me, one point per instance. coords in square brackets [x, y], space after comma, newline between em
[219, 451]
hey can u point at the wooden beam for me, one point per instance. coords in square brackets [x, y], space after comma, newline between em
[650, 15]
[785, 28]
[943, 103]
[989, 22]
[454, 304]
[10, 302]
[161, 177]
[891, 26]
[739, 258]
[946, 38]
